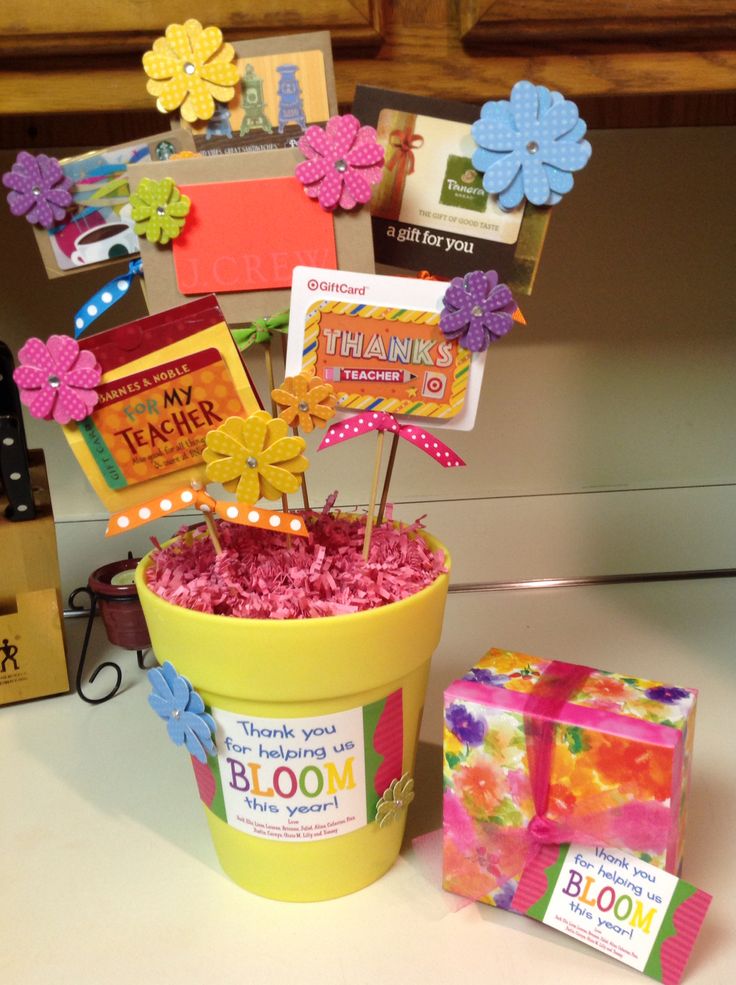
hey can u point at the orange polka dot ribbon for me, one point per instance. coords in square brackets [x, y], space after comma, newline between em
[187, 497]
[416, 435]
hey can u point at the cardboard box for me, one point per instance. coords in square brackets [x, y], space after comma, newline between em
[542, 752]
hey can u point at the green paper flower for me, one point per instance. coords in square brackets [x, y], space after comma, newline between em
[395, 800]
[159, 209]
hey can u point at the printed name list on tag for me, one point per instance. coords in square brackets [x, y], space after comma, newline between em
[639, 914]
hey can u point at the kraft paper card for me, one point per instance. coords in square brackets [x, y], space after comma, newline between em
[430, 211]
[286, 84]
[100, 229]
[254, 278]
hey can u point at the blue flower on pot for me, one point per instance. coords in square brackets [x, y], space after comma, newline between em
[182, 709]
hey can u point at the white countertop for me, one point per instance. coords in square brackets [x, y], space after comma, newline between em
[107, 873]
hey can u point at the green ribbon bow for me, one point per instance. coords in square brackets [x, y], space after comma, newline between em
[260, 330]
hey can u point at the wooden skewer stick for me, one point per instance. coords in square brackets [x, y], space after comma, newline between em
[387, 480]
[305, 494]
[271, 380]
[374, 492]
[212, 531]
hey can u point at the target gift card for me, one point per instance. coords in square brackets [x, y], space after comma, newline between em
[378, 341]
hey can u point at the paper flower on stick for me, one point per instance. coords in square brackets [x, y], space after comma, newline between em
[395, 800]
[477, 310]
[307, 400]
[189, 68]
[57, 380]
[39, 189]
[255, 457]
[529, 146]
[343, 160]
[159, 210]
[187, 723]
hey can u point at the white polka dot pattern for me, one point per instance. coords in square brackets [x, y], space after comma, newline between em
[366, 422]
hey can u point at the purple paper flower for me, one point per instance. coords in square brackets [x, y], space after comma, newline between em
[482, 675]
[461, 723]
[343, 160]
[182, 709]
[57, 380]
[39, 189]
[668, 695]
[477, 310]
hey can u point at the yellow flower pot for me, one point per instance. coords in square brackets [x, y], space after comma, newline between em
[315, 719]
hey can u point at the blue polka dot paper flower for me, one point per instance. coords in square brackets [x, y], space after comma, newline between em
[529, 146]
[187, 722]
[477, 310]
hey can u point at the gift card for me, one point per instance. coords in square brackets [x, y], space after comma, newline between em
[286, 84]
[248, 226]
[100, 227]
[637, 913]
[377, 340]
[430, 211]
[213, 255]
[166, 380]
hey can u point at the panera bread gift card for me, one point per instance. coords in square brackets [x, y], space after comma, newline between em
[430, 211]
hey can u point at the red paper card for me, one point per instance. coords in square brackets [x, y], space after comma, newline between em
[249, 235]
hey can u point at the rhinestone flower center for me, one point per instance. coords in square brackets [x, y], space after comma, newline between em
[36, 191]
[476, 311]
[54, 382]
[189, 68]
[251, 462]
[161, 210]
[303, 406]
[341, 165]
[176, 714]
[532, 147]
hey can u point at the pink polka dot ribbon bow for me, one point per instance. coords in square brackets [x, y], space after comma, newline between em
[369, 421]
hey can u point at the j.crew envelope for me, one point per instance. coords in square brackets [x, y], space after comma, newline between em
[249, 225]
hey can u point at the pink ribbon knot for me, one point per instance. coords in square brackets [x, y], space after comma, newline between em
[367, 421]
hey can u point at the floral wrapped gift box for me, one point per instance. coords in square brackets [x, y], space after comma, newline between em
[543, 752]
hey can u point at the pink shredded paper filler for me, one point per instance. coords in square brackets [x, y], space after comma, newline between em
[259, 576]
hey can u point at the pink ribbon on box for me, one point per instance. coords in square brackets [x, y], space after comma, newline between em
[368, 421]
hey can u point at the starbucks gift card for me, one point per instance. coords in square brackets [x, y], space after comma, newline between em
[99, 228]
[430, 211]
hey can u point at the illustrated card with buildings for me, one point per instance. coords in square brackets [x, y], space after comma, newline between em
[286, 84]
[430, 211]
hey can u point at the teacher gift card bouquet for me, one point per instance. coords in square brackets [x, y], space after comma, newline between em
[294, 638]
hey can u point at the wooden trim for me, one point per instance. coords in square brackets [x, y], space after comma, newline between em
[61, 31]
[544, 23]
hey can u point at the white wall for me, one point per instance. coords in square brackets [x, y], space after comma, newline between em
[604, 441]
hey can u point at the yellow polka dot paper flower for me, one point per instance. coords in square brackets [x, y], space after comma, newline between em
[189, 68]
[255, 457]
[159, 210]
[307, 400]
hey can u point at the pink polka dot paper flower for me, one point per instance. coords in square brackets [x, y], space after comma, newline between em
[39, 189]
[343, 160]
[57, 380]
[477, 310]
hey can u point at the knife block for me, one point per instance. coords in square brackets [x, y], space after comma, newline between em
[32, 654]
